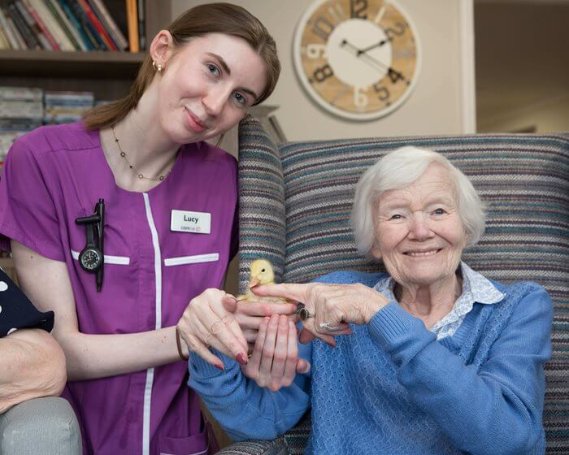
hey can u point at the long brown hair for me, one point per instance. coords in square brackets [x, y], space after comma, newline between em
[198, 21]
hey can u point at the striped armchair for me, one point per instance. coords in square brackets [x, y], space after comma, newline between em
[294, 210]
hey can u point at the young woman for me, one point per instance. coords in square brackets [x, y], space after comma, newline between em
[124, 225]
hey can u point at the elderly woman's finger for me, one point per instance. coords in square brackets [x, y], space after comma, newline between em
[281, 355]
[292, 291]
[308, 334]
[269, 348]
[292, 355]
[252, 368]
[264, 307]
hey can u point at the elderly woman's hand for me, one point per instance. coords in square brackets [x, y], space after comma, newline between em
[328, 308]
[209, 320]
[274, 361]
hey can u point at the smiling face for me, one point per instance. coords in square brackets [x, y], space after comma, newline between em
[207, 85]
[419, 234]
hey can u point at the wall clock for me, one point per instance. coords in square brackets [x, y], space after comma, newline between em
[358, 59]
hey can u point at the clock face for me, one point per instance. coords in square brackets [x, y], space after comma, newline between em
[358, 59]
[90, 259]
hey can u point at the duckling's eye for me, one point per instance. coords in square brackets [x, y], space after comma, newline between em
[262, 270]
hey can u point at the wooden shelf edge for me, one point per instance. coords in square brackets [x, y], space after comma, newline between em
[121, 65]
[60, 56]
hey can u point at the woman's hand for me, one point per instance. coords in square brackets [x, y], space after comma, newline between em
[274, 361]
[209, 320]
[329, 307]
[251, 313]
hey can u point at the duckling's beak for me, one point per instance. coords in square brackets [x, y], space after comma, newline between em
[254, 282]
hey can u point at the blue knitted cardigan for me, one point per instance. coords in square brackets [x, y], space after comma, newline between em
[392, 388]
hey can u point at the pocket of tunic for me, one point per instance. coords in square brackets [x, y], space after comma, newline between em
[116, 260]
[196, 444]
[195, 259]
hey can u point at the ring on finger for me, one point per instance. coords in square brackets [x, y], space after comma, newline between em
[304, 314]
[329, 327]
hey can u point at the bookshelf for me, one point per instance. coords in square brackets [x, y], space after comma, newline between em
[106, 73]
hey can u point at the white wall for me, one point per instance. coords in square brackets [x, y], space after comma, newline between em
[442, 101]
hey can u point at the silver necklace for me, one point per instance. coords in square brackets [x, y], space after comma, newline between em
[140, 175]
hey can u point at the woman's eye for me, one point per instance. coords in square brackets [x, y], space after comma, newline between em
[396, 216]
[240, 99]
[439, 211]
[213, 69]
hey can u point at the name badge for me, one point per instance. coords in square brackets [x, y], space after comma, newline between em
[198, 222]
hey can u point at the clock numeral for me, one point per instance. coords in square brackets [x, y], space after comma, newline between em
[323, 73]
[397, 30]
[315, 51]
[322, 27]
[360, 98]
[358, 9]
[337, 12]
[395, 76]
[382, 92]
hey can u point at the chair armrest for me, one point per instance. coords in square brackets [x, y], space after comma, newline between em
[274, 447]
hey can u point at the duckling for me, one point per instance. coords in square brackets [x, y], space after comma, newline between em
[261, 272]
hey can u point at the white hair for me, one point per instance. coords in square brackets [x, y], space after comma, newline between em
[399, 169]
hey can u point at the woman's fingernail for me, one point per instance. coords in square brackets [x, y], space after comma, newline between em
[219, 367]
[241, 358]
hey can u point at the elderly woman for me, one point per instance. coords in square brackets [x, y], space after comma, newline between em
[429, 358]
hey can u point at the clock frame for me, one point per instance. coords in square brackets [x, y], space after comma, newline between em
[358, 59]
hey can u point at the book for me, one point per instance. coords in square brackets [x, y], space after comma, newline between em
[24, 31]
[141, 10]
[97, 25]
[77, 18]
[4, 43]
[108, 21]
[51, 24]
[66, 106]
[8, 28]
[41, 25]
[65, 25]
[21, 94]
[132, 22]
[72, 24]
[33, 25]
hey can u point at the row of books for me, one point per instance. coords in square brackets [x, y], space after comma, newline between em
[72, 25]
[24, 108]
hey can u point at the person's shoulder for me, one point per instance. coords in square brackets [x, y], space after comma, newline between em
[50, 138]
[520, 288]
[525, 297]
[350, 277]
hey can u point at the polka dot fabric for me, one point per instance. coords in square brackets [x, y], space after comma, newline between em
[16, 310]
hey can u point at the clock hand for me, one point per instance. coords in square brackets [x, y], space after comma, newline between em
[393, 74]
[381, 43]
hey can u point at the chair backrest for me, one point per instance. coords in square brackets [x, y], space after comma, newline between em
[296, 202]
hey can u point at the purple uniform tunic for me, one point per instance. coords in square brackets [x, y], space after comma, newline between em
[54, 175]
